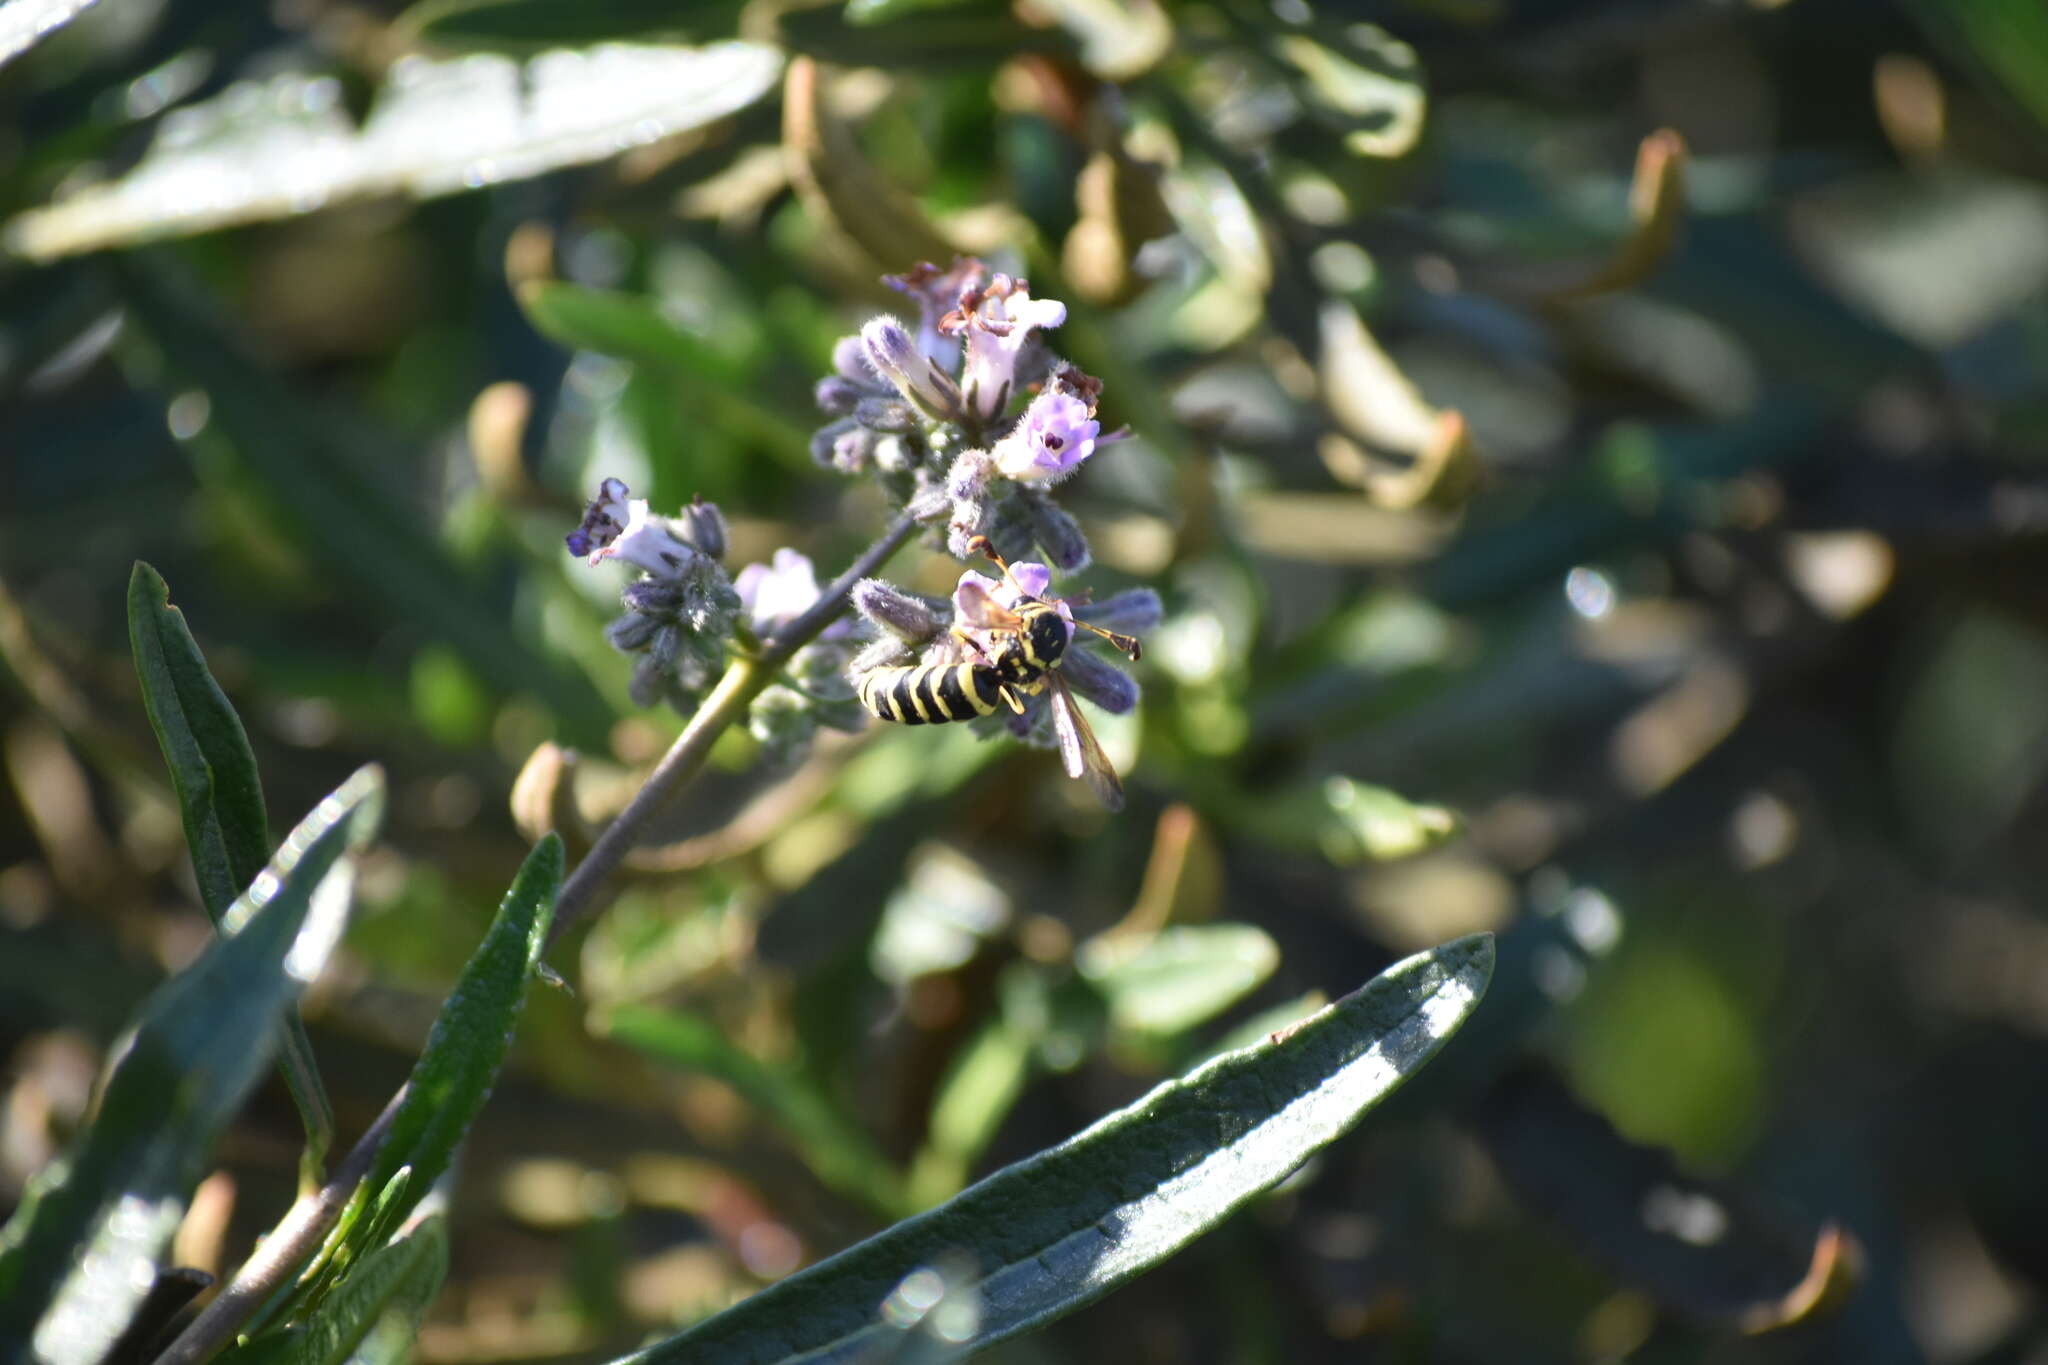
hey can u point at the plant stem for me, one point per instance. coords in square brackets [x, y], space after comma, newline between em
[744, 679]
[308, 1221]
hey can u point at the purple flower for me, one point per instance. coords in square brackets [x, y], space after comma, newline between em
[617, 527]
[776, 594]
[971, 599]
[938, 293]
[997, 321]
[1057, 432]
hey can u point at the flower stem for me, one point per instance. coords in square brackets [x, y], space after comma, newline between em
[308, 1221]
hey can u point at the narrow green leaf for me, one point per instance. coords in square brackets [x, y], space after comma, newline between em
[220, 799]
[629, 326]
[838, 1152]
[453, 1077]
[1167, 983]
[377, 1308]
[79, 1256]
[1065, 1227]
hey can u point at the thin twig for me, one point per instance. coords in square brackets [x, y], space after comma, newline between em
[308, 1221]
[297, 1235]
[743, 681]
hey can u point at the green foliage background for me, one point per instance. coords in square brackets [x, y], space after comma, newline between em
[1656, 582]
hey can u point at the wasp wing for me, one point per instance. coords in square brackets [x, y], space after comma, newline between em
[1080, 754]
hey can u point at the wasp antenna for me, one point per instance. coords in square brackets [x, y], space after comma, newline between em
[1128, 644]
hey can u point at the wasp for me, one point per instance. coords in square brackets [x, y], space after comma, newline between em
[1012, 651]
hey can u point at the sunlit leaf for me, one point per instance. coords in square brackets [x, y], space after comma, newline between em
[220, 798]
[527, 25]
[287, 146]
[24, 23]
[1065, 1227]
[454, 1075]
[80, 1254]
[1166, 983]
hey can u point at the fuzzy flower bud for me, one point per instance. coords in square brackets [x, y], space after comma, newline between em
[850, 361]
[783, 721]
[885, 415]
[838, 395]
[1057, 533]
[1058, 431]
[1134, 611]
[908, 618]
[703, 526]
[895, 355]
[1100, 681]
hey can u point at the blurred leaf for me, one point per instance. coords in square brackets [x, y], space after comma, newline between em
[1169, 982]
[841, 187]
[526, 25]
[1065, 1227]
[1697, 1249]
[957, 37]
[24, 23]
[80, 1254]
[629, 326]
[837, 1151]
[372, 1317]
[1656, 207]
[1120, 39]
[287, 145]
[2008, 38]
[1369, 82]
[1344, 821]
[886, 11]
[220, 799]
[454, 1075]
[342, 517]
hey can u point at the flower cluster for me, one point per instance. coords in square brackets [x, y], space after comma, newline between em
[682, 609]
[966, 423]
[913, 629]
[932, 415]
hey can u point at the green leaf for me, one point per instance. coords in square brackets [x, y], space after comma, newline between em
[375, 1313]
[629, 326]
[712, 379]
[1166, 983]
[278, 148]
[340, 515]
[220, 799]
[24, 23]
[838, 1152]
[1067, 1226]
[453, 1077]
[78, 1257]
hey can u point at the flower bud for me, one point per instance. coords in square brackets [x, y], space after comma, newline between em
[1057, 533]
[850, 361]
[703, 526]
[824, 442]
[853, 451]
[886, 414]
[1134, 611]
[1099, 681]
[907, 617]
[895, 455]
[837, 395]
[632, 632]
[782, 721]
[892, 352]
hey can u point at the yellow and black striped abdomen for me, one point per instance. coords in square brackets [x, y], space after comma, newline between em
[931, 694]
